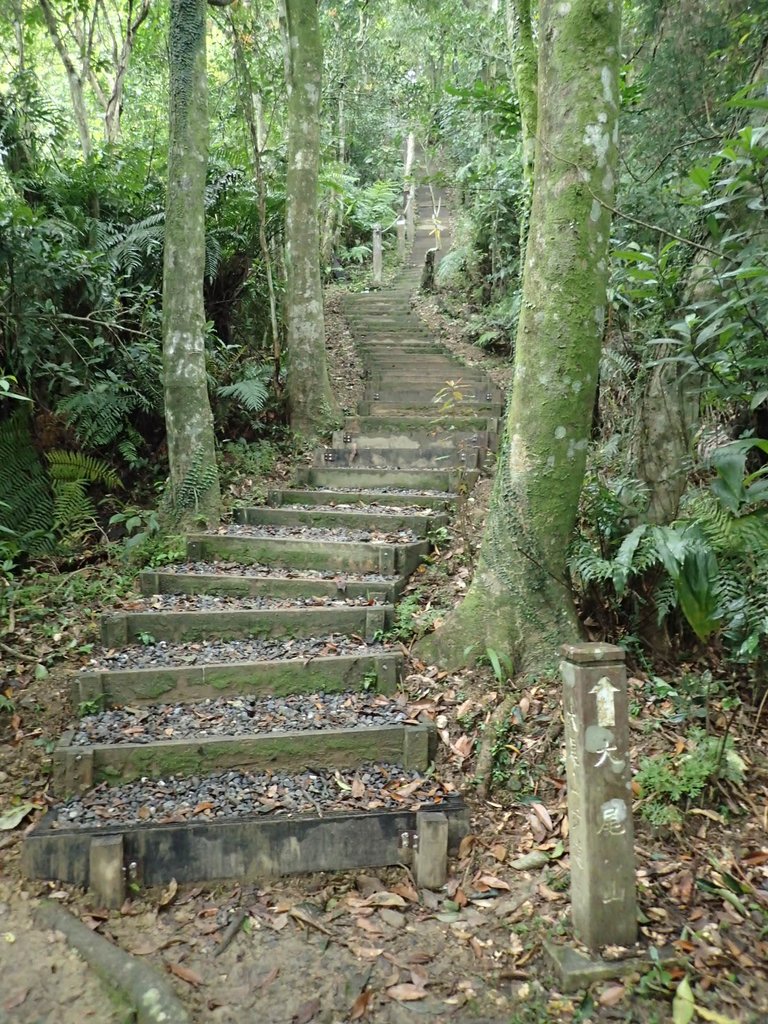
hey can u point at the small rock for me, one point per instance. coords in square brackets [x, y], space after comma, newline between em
[392, 917]
[530, 861]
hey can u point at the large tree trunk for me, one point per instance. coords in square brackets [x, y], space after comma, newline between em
[520, 602]
[311, 404]
[194, 480]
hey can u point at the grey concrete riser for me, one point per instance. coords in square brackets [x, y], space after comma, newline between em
[429, 480]
[120, 630]
[412, 440]
[77, 768]
[230, 584]
[244, 849]
[358, 556]
[422, 458]
[278, 678]
[361, 520]
[427, 395]
[384, 408]
[419, 423]
[298, 496]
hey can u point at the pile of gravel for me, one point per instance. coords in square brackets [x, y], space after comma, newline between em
[238, 716]
[166, 654]
[226, 567]
[233, 794]
[321, 533]
[226, 603]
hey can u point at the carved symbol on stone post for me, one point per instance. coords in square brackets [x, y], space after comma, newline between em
[606, 712]
[613, 816]
[613, 894]
[606, 755]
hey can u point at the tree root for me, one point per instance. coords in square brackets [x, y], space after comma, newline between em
[484, 763]
[147, 991]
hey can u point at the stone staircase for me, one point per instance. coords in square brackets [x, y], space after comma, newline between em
[243, 717]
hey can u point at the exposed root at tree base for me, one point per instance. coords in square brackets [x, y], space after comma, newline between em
[147, 992]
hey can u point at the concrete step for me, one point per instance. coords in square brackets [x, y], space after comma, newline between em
[365, 479]
[398, 407]
[229, 582]
[410, 440]
[428, 457]
[371, 497]
[380, 517]
[308, 553]
[124, 628]
[462, 421]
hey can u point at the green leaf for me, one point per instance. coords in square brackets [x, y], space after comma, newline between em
[41, 672]
[623, 560]
[683, 1007]
[697, 591]
[13, 817]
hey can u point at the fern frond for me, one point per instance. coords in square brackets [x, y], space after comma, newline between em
[75, 467]
[252, 392]
[73, 509]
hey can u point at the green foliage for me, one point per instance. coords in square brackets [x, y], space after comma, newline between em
[670, 782]
[252, 391]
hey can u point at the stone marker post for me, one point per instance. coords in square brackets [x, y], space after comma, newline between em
[377, 256]
[401, 239]
[410, 214]
[596, 717]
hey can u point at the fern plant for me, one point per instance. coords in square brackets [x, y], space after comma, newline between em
[251, 391]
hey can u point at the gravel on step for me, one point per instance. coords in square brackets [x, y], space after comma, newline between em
[225, 603]
[235, 794]
[321, 533]
[213, 652]
[238, 716]
[226, 568]
[375, 510]
[423, 491]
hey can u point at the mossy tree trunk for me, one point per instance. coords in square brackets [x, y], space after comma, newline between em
[519, 602]
[311, 404]
[194, 480]
[523, 53]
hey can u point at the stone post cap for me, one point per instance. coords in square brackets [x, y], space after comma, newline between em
[599, 654]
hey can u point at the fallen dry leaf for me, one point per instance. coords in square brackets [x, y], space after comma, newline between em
[268, 978]
[185, 974]
[406, 993]
[364, 952]
[306, 1012]
[491, 882]
[167, 895]
[407, 891]
[385, 899]
[499, 851]
[465, 846]
[419, 976]
[612, 995]
[361, 1005]
[14, 1001]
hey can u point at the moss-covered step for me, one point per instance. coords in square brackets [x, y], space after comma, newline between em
[410, 440]
[420, 422]
[119, 630]
[78, 767]
[381, 518]
[231, 583]
[380, 670]
[365, 479]
[427, 394]
[428, 457]
[299, 553]
[398, 406]
[244, 848]
[302, 496]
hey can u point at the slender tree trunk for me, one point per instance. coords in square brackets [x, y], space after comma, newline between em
[74, 80]
[254, 121]
[311, 403]
[114, 105]
[194, 483]
[519, 602]
[523, 52]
